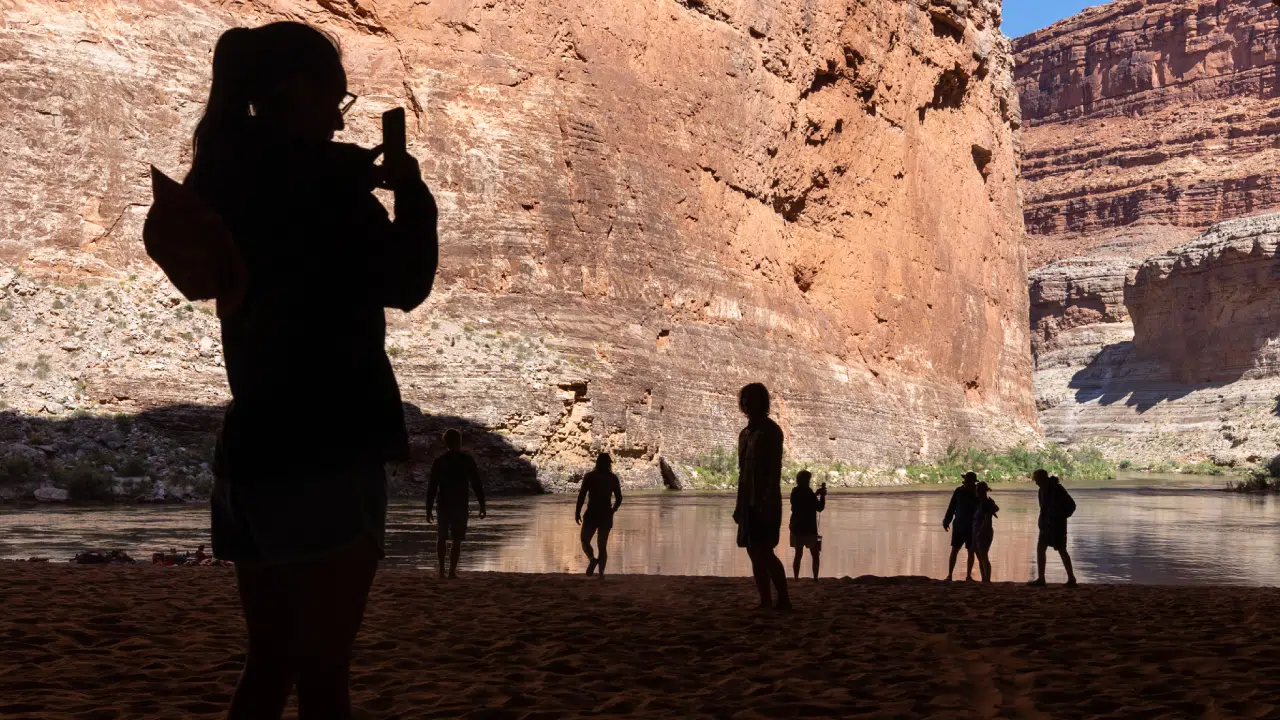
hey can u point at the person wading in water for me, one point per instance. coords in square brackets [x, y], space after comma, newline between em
[299, 499]
[758, 511]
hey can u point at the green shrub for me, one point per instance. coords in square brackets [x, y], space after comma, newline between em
[85, 482]
[132, 467]
[718, 467]
[15, 470]
[1014, 464]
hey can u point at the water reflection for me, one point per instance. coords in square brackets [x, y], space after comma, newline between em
[1170, 535]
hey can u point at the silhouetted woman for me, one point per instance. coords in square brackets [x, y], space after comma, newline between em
[599, 488]
[300, 497]
[759, 508]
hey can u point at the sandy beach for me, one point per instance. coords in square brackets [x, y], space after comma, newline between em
[143, 641]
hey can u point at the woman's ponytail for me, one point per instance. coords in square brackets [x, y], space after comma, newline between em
[233, 88]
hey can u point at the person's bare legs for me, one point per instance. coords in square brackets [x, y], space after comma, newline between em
[602, 548]
[1040, 560]
[795, 564]
[1066, 563]
[267, 676]
[984, 566]
[454, 553]
[441, 546]
[951, 563]
[968, 575]
[761, 576]
[815, 553]
[767, 569]
[331, 602]
[585, 536]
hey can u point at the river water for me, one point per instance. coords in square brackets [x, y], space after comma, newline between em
[1140, 529]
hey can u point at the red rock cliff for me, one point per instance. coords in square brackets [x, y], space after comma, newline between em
[1161, 113]
[644, 205]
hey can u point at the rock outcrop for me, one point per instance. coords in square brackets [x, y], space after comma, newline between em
[1211, 309]
[643, 207]
[1154, 112]
[1186, 370]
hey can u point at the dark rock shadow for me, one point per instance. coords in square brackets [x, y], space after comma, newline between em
[1117, 374]
[176, 442]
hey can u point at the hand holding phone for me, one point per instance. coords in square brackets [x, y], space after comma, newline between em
[399, 168]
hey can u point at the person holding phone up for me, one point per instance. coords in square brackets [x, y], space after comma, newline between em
[299, 502]
[805, 506]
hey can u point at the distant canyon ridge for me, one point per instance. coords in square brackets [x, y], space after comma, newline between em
[643, 207]
[1151, 144]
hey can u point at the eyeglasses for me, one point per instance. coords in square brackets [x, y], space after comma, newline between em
[348, 100]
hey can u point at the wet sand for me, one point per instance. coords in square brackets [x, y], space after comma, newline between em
[146, 641]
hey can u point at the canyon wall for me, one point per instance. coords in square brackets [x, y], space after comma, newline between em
[1145, 118]
[1144, 123]
[1186, 369]
[643, 206]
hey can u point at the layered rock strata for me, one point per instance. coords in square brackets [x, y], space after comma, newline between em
[1148, 111]
[1186, 370]
[644, 206]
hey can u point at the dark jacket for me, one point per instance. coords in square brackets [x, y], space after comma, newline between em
[1056, 505]
[304, 352]
[760, 471]
[805, 506]
[963, 502]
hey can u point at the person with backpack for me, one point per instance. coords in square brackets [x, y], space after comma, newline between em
[963, 502]
[1056, 506]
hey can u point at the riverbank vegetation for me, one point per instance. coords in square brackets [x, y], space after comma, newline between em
[718, 468]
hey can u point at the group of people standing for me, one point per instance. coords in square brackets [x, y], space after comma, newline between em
[971, 512]
[757, 512]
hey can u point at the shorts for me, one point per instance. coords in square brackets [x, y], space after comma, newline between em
[1055, 538]
[804, 540]
[757, 532]
[452, 525]
[277, 518]
[594, 523]
[982, 543]
[962, 536]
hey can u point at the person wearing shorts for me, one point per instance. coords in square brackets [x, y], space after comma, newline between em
[600, 487]
[1056, 505]
[805, 506]
[963, 503]
[452, 475]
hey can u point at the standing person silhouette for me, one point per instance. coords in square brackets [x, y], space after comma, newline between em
[805, 506]
[963, 502]
[299, 501]
[758, 511]
[984, 532]
[453, 474]
[599, 488]
[1056, 506]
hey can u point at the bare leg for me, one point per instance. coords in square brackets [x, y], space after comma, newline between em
[951, 563]
[795, 564]
[440, 550]
[331, 604]
[587, 532]
[1040, 551]
[1066, 562]
[815, 554]
[778, 573]
[968, 575]
[454, 553]
[984, 566]
[267, 677]
[602, 542]
[761, 575]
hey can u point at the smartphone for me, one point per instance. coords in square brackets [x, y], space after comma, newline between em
[393, 133]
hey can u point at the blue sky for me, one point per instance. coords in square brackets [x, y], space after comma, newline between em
[1024, 16]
